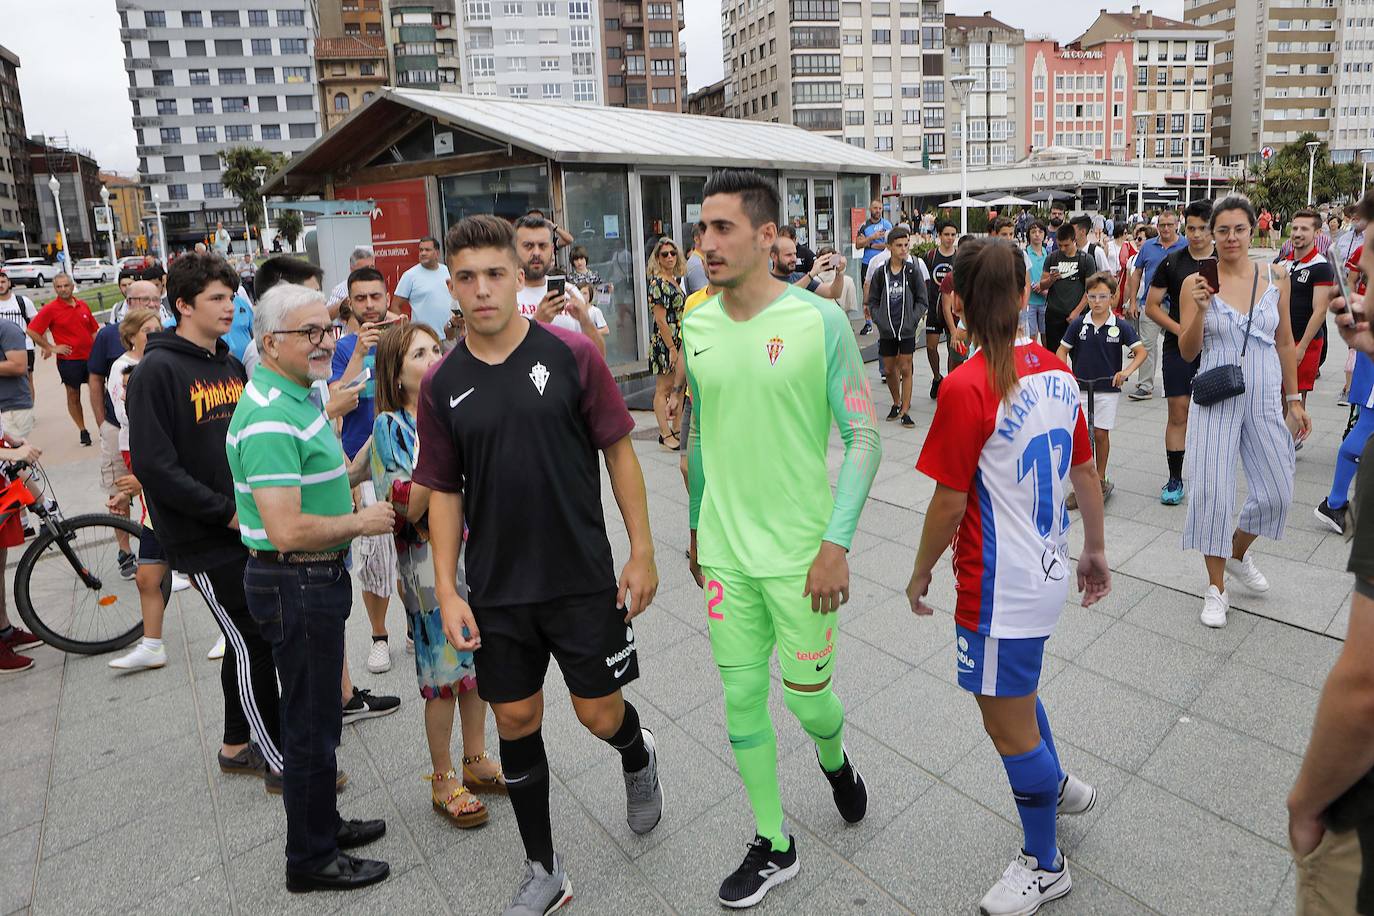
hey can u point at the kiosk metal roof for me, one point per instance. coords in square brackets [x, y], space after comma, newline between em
[576, 133]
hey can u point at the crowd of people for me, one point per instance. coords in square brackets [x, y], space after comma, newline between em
[442, 442]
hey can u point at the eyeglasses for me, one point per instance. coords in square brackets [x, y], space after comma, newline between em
[143, 299]
[667, 254]
[1099, 297]
[1226, 232]
[313, 333]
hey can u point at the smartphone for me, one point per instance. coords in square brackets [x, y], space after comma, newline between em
[1208, 268]
[1338, 269]
[557, 285]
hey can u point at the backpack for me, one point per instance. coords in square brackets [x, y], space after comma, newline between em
[25, 307]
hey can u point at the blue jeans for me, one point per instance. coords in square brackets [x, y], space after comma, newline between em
[300, 610]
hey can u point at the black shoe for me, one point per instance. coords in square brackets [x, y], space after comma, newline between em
[866, 329]
[248, 761]
[85, 438]
[360, 833]
[1332, 518]
[851, 795]
[907, 421]
[761, 871]
[343, 874]
[273, 781]
[364, 705]
[935, 387]
[128, 564]
[894, 413]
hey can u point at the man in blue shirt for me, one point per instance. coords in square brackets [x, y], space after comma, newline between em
[872, 235]
[1151, 255]
[424, 288]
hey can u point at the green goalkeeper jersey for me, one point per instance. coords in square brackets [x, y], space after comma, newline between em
[765, 393]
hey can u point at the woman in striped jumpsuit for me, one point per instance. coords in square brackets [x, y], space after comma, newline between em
[1258, 426]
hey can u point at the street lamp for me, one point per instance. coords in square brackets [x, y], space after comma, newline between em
[260, 173]
[23, 230]
[963, 85]
[1211, 161]
[1142, 122]
[105, 200]
[64, 254]
[161, 234]
[1312, 147]
[1364, 169]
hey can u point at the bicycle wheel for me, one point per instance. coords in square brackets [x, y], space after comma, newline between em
[75, 616]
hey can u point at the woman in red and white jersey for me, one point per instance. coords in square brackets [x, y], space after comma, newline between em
[1008, 437]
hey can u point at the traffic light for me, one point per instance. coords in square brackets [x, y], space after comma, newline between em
[59, 241]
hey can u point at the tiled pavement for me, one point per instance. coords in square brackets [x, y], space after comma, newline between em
[112, 801]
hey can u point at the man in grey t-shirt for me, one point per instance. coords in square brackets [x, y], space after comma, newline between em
[16, 395]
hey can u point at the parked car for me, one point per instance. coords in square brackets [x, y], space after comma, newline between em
[30, 271]
[95, 270]
[133, 263]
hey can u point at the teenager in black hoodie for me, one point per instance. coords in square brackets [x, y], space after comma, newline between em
[180, 401]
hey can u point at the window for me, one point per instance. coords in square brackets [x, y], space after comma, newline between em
[664, 67]
[582, 63]
[367, 70]
[580, 10]
[882, 144]
[166, 106]
[200, 77]
[932, 38]
[613, 25]
[164, 77]
[291, 17]
[232, 76]
[546, 10]
[191, 20]
[518, 92]
[209, 163]
[271, 131]
[212, 189]
[177, 192]
[512, 8]
[580, 36]
[159, 49]
[155, 19]
[207, 134]
[174, 164]
[854, 91]
[882, 36]
[816, 10]
[854, 118]
[195, 48]
[299, 103]
[482, 65]
[634, 64]
[1199, 123]
[816, 65]
[660, 11]
[257, 19]
[584, 90]
[295, 74]
[552, 90]
[225, 19]
[855, 141]
[933, 90]
[515, 36]
[934, 117]
[228, 47]
[910, 36]
[814, 93]
[233, 104]
[238, 133]
[1176, 123]
[261, 47]
[548, 36]
[292, 45]
[264, 75]
[660, 39]
[170, 134]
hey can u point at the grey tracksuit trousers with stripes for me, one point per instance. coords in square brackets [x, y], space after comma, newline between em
[1249, 427]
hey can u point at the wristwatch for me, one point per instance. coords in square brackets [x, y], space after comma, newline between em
[1292, 397]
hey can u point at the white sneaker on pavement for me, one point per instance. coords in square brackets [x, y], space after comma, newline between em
[1215, 607]
[141, 658]
[217, 651]
[1075, 796]
[1024, 886]
[179, 582]
[1249, 575]
[379, 656]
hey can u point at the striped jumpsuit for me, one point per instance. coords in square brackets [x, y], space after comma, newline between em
[1249, 425]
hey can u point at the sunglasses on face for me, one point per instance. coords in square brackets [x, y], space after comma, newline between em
[667, 254]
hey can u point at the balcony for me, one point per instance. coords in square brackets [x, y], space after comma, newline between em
[148, 122]
[631, 19]
[138, 63]
[146, 92]
[133, 34]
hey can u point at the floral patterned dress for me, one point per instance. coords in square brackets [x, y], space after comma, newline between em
[441, 669]
[669, 295]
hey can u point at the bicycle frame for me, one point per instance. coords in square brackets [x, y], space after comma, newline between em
[17, 495]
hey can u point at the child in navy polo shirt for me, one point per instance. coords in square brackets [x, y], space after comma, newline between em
[1096, 340]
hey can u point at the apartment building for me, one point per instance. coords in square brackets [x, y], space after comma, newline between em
[126, 204]
[18, 200]
[993, 53]
[871, 73]
[202, 80]
[708, 100]
[533, 49]
[351, 60]
[643, 55]
[422, 39]
[78, 179]
[1274, 76]
[1353, 96]
[1079, 97]
[1171, 85]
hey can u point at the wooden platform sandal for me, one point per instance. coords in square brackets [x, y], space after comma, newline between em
[463, 808]
[478, 785]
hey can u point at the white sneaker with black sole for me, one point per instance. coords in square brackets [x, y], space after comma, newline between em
[542, 892]
[1075, 796]
[643, 793]
[1024, 887]
[762, 870]
[363, 705]
[1331, 518]
[379, 656]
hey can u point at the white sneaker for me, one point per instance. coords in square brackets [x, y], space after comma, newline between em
[1024, 886]
[140, 658]
[179, 582]
[1075, 796]
[217, 652]
[1214, 608]
[379, 656]
[1249, 576]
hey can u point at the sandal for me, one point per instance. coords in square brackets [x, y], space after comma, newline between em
[478, 785]
[663, 441]
[471, 813]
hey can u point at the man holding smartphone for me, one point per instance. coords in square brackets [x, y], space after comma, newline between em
[1161, 307]
[550, 299]
[1064, 283]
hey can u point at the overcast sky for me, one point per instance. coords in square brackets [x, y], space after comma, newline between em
[76, 85]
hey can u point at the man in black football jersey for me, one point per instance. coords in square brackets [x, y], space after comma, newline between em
[511, 423]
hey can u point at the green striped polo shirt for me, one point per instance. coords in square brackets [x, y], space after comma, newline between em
[279, 437]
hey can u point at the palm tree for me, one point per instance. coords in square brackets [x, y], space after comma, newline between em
[239, 178]
[289, 226]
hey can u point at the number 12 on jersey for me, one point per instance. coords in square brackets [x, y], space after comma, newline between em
[1046, 458]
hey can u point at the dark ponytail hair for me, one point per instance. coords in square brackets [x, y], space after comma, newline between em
[989, 278]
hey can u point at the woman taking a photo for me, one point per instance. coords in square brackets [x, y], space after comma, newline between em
[665, 271]
[1254, 415]
[447, 676]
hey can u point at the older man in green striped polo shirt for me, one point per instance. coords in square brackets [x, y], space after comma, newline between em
[295, 514]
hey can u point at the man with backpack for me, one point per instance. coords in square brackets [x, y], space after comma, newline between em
[1082, 226]
[18, 309]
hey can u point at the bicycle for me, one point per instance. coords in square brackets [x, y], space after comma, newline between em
[88, 607]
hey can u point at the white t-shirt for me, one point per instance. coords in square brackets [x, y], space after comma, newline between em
[250, 357]
[529, 297]
[118, 388]
[881, 258]
[338, 294]
[427, 291]
[19, 313]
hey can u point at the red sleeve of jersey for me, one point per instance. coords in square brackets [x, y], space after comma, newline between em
[440, 464]
[603, 407]
[960, 429]
[1082, 442]
[1354, 262]
[39, 323]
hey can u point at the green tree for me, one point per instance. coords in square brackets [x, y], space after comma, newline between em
[290, 226]
[240, 180]
[1281, 183]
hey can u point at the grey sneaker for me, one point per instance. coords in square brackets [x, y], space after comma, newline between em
[541, 892]
[643, 794]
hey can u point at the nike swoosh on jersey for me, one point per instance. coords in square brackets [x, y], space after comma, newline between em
[696, 352]
[821, 665]
[454, 402]
[620, 671]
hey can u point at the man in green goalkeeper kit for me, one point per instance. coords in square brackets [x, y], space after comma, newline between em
[771, 367]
